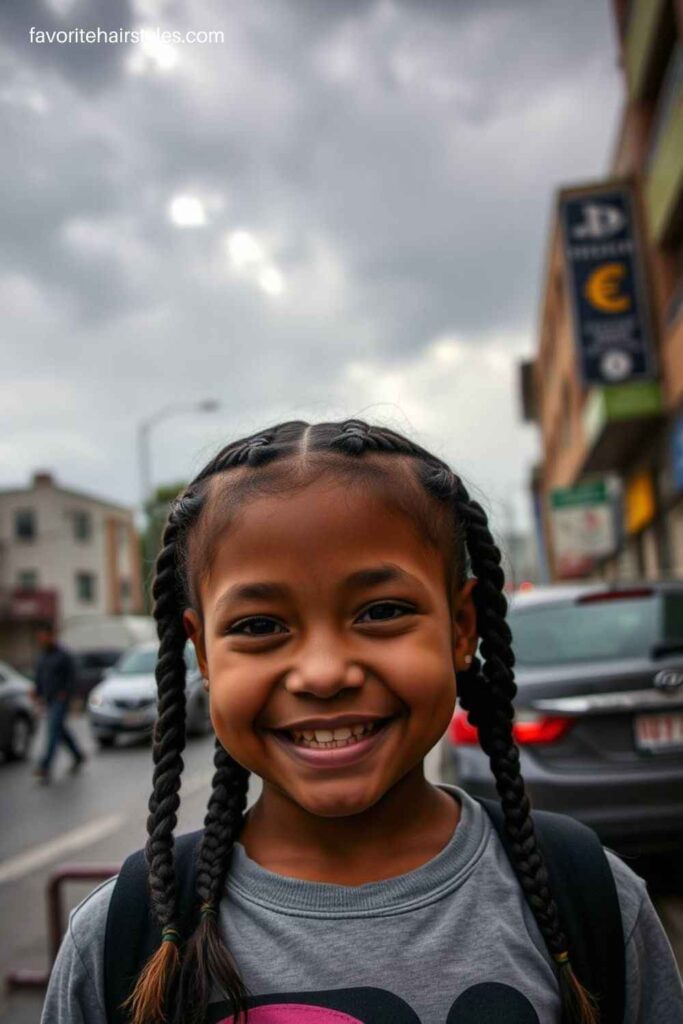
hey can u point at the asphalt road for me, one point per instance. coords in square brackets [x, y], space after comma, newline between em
[97, 817]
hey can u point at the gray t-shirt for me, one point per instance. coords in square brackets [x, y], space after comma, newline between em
[452, 942]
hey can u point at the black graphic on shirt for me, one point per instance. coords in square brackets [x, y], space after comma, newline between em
[491, 1003]
[487, 1003]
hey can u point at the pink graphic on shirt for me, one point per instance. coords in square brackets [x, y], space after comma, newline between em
[295, 1013]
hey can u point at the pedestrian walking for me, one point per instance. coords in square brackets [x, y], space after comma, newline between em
[335, 580]
[55, 687]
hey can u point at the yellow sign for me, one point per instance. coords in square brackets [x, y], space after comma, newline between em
[603, 288]
[639, 502]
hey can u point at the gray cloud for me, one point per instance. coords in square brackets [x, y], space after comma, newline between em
[395, 160]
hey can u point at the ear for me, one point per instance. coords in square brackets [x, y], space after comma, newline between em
[195, 631]
[464, 626]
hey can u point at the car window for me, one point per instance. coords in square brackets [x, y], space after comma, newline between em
[594, 631]
[143, 661]
[138, 662]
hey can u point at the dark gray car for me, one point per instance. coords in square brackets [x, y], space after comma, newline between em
[599, 710]
[17, 714]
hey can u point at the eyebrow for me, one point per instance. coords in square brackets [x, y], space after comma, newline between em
[268, 590]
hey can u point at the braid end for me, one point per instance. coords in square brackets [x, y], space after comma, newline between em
[146, 1002]
[578, 1003]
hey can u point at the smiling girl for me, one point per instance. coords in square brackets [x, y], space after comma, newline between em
[335, 580]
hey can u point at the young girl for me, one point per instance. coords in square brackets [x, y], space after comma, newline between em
[321, 572]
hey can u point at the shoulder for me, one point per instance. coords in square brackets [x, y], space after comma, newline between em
[76, 989]
[87, 921]
[631, 891]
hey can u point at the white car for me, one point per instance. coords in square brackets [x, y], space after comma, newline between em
[125, 702]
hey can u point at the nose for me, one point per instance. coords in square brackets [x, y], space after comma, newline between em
[322, 670]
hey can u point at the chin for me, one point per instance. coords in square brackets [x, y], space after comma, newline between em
[339, 801]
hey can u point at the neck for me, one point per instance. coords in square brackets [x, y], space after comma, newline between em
[410, 825]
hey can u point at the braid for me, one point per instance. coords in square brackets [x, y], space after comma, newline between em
[222, 826]
[488, 699]
[158, 976]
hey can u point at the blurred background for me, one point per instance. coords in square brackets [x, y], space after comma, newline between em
[463, 221]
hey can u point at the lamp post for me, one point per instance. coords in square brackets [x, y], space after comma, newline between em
[144, 430]
[145, 462]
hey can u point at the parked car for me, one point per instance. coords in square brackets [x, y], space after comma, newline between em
[92, 666]
[98, 641]
[125, 702]
[599, 710]
[17, 714]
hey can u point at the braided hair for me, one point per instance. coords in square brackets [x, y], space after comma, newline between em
[176, 983]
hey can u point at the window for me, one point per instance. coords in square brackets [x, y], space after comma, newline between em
[628, 627]
[25, 524]
[82, 524]
[85, 587]
[27, 579]
[125, 589]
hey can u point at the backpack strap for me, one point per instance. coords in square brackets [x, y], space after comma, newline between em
[132, 932]
[584, 889]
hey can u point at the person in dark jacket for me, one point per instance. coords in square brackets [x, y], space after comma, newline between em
[55, 686]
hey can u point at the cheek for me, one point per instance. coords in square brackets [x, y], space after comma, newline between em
[237, 695]
[424, 675]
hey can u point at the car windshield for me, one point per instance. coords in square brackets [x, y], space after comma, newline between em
[142, 661]
[629, 627]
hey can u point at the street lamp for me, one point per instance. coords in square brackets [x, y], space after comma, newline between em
[144, 429]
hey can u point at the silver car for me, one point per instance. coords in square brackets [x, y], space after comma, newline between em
[125, 702]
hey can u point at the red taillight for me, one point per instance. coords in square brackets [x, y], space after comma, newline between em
[460, 730]
[545, 729]
[541, 729]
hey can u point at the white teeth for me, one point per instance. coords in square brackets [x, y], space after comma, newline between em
[330, 738]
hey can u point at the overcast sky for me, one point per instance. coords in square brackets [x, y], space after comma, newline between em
[340, 210]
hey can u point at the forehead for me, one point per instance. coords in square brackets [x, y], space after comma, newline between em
[323, 530]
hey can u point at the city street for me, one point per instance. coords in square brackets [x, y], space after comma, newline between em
[97, 817]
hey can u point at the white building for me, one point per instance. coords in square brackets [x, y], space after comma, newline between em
[62, 554]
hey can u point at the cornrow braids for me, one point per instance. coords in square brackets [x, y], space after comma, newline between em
[170, 989]
[159, 973]
[205, 947]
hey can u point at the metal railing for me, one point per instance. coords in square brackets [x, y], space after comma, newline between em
[32, 978]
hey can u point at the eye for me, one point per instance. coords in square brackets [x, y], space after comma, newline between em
[385, 611]
[256, 625]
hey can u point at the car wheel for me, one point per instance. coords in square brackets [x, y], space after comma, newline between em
[105, 742]
[19, 739]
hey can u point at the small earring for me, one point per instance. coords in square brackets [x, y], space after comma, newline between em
[468, 659]
[205, 684]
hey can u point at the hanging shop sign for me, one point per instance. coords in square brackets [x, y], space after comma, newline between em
[584, 526]
[606, 284]
[640, 504]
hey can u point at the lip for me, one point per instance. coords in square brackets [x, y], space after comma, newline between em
[335, 757]
[330, 721]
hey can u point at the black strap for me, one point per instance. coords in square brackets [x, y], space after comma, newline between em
[132, 933]
[583, 887]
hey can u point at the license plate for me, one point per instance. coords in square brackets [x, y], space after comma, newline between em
[659, 733]
[135, 718]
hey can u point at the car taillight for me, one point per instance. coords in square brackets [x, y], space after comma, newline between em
[528, 728]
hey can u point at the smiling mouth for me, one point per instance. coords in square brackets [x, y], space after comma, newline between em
[333, 739]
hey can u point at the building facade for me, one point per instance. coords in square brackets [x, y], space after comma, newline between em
[616, 433]
[62, 554]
